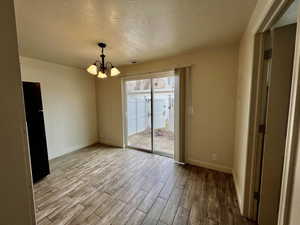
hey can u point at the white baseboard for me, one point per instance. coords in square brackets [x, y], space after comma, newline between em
[110, 143]
[210, 166]
[237, 190]
[70, 150]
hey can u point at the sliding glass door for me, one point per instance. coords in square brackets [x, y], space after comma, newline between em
[139, 110]
[150, 114]
[163, 115]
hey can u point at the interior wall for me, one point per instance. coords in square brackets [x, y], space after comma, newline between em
[16, 187]
[69, 101]
[213, 86]
[109, 109]
[245, 66]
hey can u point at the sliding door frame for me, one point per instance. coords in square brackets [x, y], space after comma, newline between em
[175, 116]
[150, 76]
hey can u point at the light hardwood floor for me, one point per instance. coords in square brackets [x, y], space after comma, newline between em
[102, 185]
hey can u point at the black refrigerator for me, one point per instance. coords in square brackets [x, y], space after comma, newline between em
[36, 130]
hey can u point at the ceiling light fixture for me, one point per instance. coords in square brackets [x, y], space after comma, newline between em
[101, 68]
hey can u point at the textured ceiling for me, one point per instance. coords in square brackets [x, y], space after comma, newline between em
[67, 31]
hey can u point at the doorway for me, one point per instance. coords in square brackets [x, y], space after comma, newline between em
[277, 46]
[36, 130]
[150, 114]
[282, 13]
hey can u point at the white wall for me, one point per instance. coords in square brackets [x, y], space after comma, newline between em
[214, 73]
[69, 101]
[16, 207]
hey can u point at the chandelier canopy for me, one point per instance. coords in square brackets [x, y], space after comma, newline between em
[101, 68]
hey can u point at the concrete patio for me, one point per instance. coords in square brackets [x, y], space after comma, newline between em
[163, 141]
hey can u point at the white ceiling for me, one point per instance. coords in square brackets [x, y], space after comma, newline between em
[67, 31]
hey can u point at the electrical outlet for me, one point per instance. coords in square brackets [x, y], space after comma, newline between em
[191, 110]
[214, 156]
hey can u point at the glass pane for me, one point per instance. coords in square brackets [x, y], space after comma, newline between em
[163, 115]
[139, 114]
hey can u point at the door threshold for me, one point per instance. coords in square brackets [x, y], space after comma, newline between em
[154, 152]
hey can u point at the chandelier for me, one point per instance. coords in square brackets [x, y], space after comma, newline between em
[101, 68]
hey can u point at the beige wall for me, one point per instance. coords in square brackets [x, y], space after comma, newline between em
[16, 196]
[213, 100]
[109, 109]
[246, 51]
[69, 100]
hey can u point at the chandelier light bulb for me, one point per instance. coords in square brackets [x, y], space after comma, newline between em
[92, 69]
[102, 75]
[114, 72]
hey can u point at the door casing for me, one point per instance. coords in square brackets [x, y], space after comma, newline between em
[275, 118]
[265, 21]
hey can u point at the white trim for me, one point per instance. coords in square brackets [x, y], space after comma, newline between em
[157, 72]
[142, 76]
[179, 163]
[123, 105]
[72, 150]
[292, 139]
[254, 149]
[189, 113]
[237, 190]
[177, 118]
[124, 112]
[110, 142]
[211, 166]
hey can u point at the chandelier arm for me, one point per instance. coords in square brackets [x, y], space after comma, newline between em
[109, 64]
[98, 65]
[103, 68]
[102, 64]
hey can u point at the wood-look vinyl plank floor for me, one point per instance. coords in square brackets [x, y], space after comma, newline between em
[101, 185]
